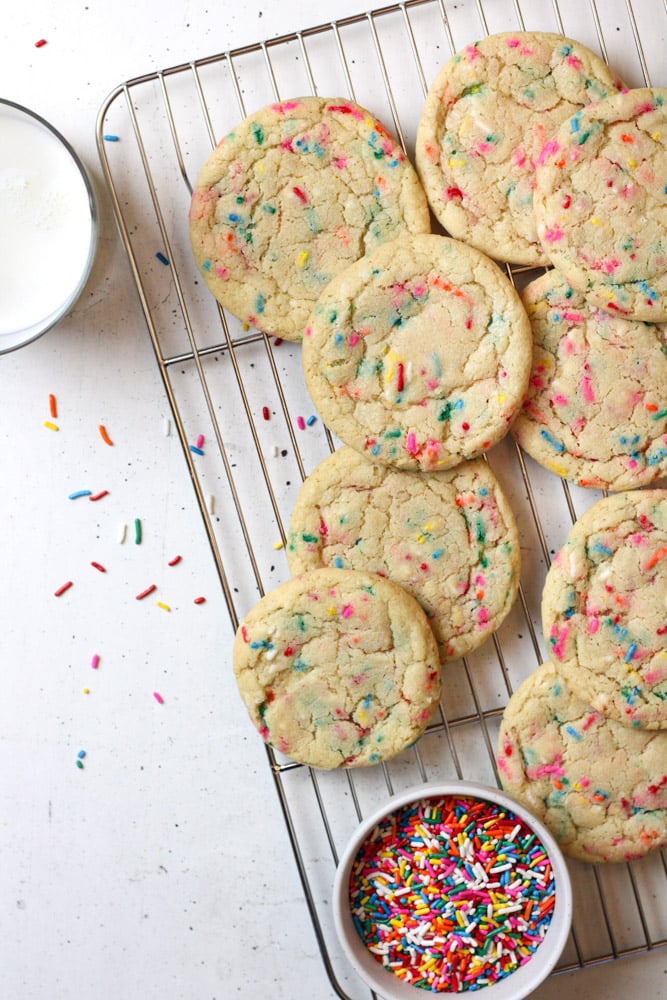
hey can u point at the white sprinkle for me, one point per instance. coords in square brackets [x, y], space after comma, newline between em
[514, 832]
[275, 451]
[210, 504]
[122, 531]
[166, 426]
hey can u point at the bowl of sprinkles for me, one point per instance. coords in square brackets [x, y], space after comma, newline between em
[452, 888]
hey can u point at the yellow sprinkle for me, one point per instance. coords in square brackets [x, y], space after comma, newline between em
[421, 538]
[632, 164]
[259, 167]
[165, 607]
[428, 527]
[52, 427]
[277, 545]
[303, 257]
[331, 611]
[595, 221]
[86, 690]
[245, 326]
[501, 397]
[558, 469]
[656, 136]
[452, 162]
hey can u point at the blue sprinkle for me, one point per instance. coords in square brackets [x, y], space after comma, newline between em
[161, 257]
[79, 493]
[206, 265]
[233, 217]
[437, 553]
[573, 732]
[195, 450]
[599, 547]
[632, 649]
[574, 124]
[110, 138]
[311, 420]
[81, 754]
[338, 562]
[552, 440]
[259, 303]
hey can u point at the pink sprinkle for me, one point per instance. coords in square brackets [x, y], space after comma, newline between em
[553, 235]
[512, 43]
[300, 423]
[593, 625]
[200, 441]
[587, 389]
[483, 616]
[158, 697]
[200, 600]
[222, 272]
[347, 610]
[411, 443]
[572, 317]
[354, 339]
[175, 561]
[549, 147]
[61, 590]
[340, 162]
[557, 648]
[95, 662]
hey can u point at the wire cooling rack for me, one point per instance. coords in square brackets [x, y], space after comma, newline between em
[220, 376]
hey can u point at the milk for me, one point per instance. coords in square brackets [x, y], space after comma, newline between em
[46, 227]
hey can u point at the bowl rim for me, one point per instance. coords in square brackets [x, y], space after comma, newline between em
[39, 327]
[524, 979]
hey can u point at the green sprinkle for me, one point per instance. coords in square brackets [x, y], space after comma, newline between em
[258, 133]
[79, 763]
[137, 531]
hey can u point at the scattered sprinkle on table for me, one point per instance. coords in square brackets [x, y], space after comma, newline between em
[165, 607]
[79, 493]
[98, 566]
[275, 451]
[158, 697]
[452, 893]
[79, 763]
[81, 754]
[86, 690]
[166, 426]
[210, 504]
[122, 532]
[195, 450]
[265, 413]
[63, 588]
[104, 435]
[200, 441]
[53, 409]
[137, 531]
[108, 137]
[40, 43]
[146, 592]
[278, 545]
[200, 600]
[95, 662]
[98, 496]
[161, 257]
[300, 423]
[51, 426]
[311, 420]
[175, 561]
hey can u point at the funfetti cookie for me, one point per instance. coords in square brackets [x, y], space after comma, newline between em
[418, 355]
[604, 608]
[600, 787]
[448, 538]
[295, 193]
[601, 203]
[595, 409]
[337, 668]
[487, 116]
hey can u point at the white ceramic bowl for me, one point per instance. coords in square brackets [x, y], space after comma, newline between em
[48, 222]
[518, 983]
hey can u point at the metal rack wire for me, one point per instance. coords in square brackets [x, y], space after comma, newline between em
[220, 376]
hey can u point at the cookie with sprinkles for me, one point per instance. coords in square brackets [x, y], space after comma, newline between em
[418, 355]
[290, 197]
[604, 608]
[337, 668]
[595, 408]
[599, 787]
[448, 538]
[487, 115]
[601, 203]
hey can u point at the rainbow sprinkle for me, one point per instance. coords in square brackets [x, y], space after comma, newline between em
[452, 894]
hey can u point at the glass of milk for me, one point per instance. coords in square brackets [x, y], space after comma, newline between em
[48, 226]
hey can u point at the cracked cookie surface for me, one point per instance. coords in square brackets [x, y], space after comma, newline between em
[604, 608]
[601, 203]
[449, 538]
[595, 408]
[600, 787]
[337, 668]
[419, 354]
[489, 112]
[289, 198]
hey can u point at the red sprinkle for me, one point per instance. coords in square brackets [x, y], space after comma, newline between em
[61, 590]
[98, 496]
[200, 600]
[41, 42]
[53, 409]
[98, 566]
[265, 412]
[300, 194]
[277, 341]
[454, 192]
[174, 561]
[146, 592]
[400, 384]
